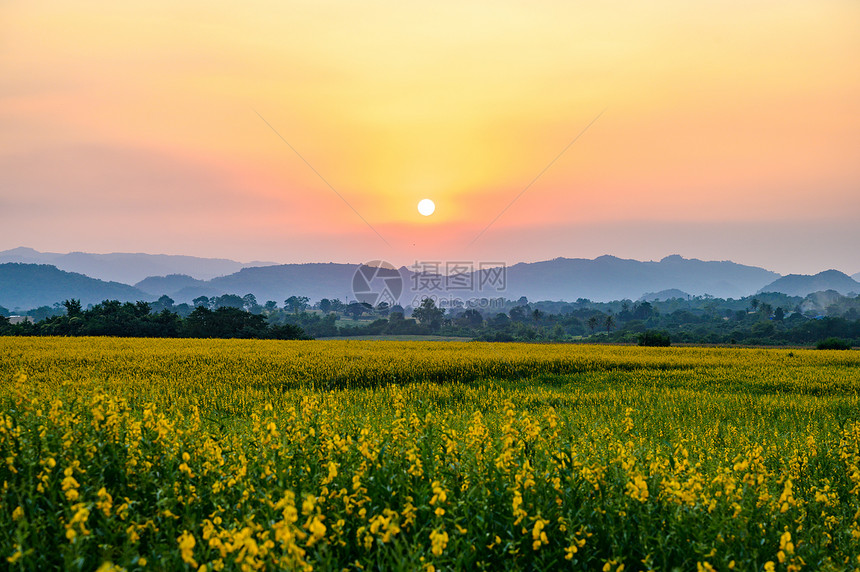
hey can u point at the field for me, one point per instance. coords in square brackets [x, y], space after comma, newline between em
[358, 455]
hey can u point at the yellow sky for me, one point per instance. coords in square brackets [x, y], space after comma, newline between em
[138, 121]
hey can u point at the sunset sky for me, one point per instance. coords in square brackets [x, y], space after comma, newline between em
[730, 130]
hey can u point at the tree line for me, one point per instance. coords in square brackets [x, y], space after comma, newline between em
[766, 319]
[112, 318]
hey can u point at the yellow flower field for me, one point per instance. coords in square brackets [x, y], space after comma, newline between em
[356, 455]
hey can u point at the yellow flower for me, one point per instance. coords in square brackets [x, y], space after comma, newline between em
[538, 535]
[317, 529]
[110, 567]
[785, 543]
[638, 489]
[439, 494]
[186, 547]
[439, 541]
[16, 556]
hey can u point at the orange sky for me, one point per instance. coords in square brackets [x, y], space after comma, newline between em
[730, 130]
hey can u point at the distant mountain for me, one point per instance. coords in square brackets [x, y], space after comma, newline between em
[803, 284]
[128, 268]
[664, 295]
[278, 282]
[856, 277]
[602, 279]
[169, 284]
[28, 286]
[610, 278]
[319, 280]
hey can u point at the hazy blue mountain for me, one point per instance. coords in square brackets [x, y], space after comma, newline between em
[602, 279]
[856, 277]
[27, 286]
[188, 294]
[128, 268]
[664, 295]
[611, 278]
[319, 280]
[169, 284]
[804, 284]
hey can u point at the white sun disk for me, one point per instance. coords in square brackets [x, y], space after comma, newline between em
[426, 207]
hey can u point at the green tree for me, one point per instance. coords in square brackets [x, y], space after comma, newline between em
[296, 303]
[73, 308]
[833, 344]
[471, 318]
[383, 308]
[142, 309]
[229, 301]
[249, 304]
[654, 338]
[643, 311]
[518, 313]
[165, 302]
[428, 314]
[355, 310]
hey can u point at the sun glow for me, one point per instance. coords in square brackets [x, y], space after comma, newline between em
[426, 207]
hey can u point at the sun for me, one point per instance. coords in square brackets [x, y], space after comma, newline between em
[426, 207]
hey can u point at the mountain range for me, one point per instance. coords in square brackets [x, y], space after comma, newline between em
[802, 284]
[29, 285]
[602, 279]
[609, 278]
[128, 268]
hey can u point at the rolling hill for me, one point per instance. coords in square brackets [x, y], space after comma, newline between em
[610, 278]
[27, 286]
[804, 284]
[664, 295]
[602, 279]
[128, 268]
[169, 284]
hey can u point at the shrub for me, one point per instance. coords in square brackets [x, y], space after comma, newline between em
[655, 338]
[833, 344]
